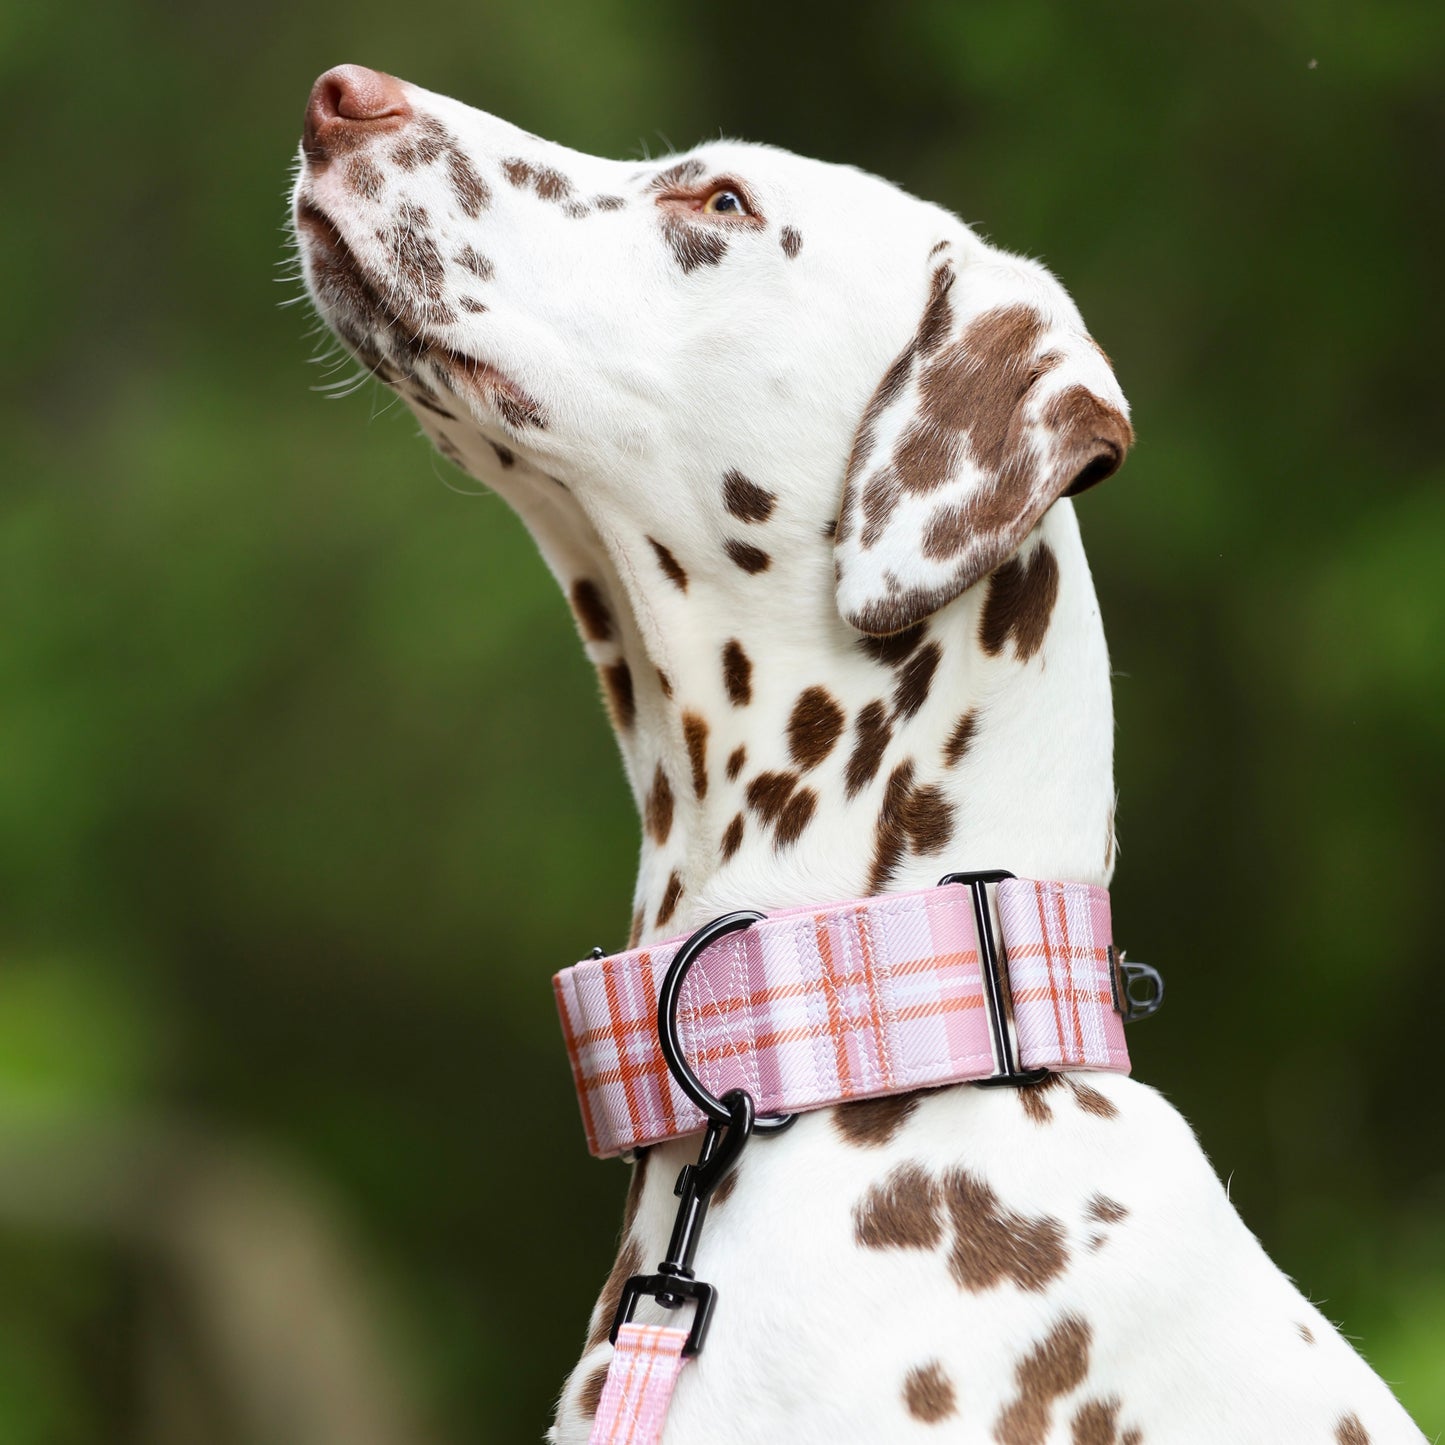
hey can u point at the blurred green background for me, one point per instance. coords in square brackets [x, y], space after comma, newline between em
[288, 1150]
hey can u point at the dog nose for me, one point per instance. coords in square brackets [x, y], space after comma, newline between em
[348, 102]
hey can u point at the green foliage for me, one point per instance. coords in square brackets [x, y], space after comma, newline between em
[304, 789]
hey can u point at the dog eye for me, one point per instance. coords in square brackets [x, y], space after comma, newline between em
[724, 203]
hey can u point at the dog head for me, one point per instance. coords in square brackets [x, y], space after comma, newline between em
[651, 361]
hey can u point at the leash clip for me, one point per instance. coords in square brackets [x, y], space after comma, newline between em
[732, 1121]
[675, 1284]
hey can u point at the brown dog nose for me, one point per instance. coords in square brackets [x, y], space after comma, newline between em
[348, 103]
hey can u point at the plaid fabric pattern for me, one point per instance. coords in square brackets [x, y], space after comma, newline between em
[815, 1006]
[1057, 936]
[646, 1362]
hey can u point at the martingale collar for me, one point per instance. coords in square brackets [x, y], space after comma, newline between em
[814, 1006]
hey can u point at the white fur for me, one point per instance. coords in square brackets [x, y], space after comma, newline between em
[655, 381]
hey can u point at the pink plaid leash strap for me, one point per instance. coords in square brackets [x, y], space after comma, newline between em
[646, 1361]
[817, 1006]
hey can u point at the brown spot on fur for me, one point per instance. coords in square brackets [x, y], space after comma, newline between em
[992, 1244]
[1349, 1431]
[589, 1397]
[960, 739]
[670, 898]
[513, 405]
[791, 242]
[1020, 603]
[657, 811]
[1106, 1210]
[664, 682]
[937, 318]
[634, 934]
[895, 648]
[973, 387]
[627, 1264]
[472, 260]
[796, 815]
[473, 305]
[873, 734]
[683, 173]
[928, 1393]
[725, 1186]
[515, 410]
[747, 501]
[1132, 1436]
[732, 837]
[363, 176]
[425, 142]
[914, 680]
[736, 759]
[737, 673]
[1053, 1368]
[694, 733]
[891, 837]
[768, 794]
[814, 727]
[1306, 1333]
[751, 559]
[415, 258]
[1096, 1422]
[472, 192]
[431, 406]
[693, 244]
[617, 677]
[608, 203]
[505, 455]
[894, 380]
[875, 1121]
[671, 567]
[1091, 1101]
[548, 184]
[592, 610]
[1033, 1098]
[903, 1212]
[912, 819]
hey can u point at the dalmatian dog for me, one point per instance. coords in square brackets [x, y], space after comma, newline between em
[798, 448]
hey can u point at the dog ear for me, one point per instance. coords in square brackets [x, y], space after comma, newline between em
[1000, 404]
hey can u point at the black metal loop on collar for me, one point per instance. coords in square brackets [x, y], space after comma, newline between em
[667, 1032]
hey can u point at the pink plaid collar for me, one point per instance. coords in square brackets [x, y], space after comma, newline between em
[817, 1006]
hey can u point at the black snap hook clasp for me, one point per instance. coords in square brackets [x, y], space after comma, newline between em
[674, 1283]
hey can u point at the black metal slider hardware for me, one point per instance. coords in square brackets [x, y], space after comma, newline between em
[1129, 1003]
[1008, 1074]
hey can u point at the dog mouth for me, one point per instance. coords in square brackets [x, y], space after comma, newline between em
[388, 325]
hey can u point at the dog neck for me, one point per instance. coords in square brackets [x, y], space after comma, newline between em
[778, 757]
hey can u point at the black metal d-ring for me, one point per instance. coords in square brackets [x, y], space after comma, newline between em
[667, 1035]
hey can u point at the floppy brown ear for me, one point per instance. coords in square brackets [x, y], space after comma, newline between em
[999, 405]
